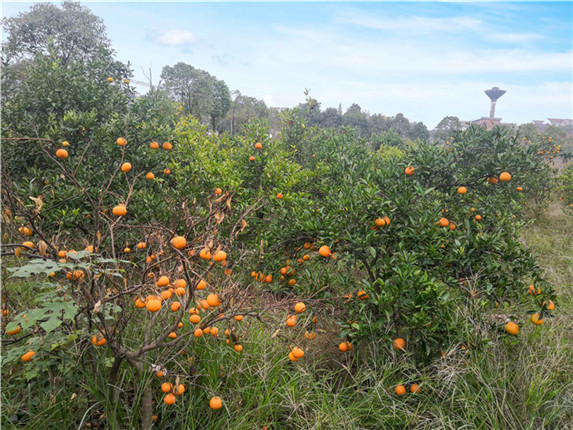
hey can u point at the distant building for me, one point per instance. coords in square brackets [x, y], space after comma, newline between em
[566, 124]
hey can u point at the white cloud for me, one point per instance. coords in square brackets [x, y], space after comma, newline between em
[413, 24]
[268, 99]
[175, 38]
[512, 37]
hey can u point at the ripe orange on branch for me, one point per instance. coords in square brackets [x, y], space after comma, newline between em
[179, 242]
[400, 344]
[512, 328]
[505, 177]
[62, 154]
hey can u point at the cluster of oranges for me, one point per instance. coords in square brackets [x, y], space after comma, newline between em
[62, 154]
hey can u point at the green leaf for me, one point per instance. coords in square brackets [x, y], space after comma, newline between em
[34, 267]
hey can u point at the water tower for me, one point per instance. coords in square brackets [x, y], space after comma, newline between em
[494, 94]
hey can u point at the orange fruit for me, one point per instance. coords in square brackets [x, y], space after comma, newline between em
[218, 191]
[505, 177]
[141, 245]
[536, 319]
[297, 352]
[180, 283]
[443, 222]
[166, 172]
[478, 217]
[512, 328]
[310, 335]
[492, 180]
[269, 279]
[194, 319]
[150, 176]
[28, 244]
[121, 141]
[279, 196]
[153, 305]
[214, 331]
[160, 374]
[343, 346]
[198, 333]
[409, 170]
[291, 321]
[180, 389]
[126, 167]
[119, 210]
[215, 403]
[168, 146]
[239, 317]
[219, 256]
[362, 295]
[175, 306]
[291, 357]
[414, 388]
[252, 158]
[62, 154]
[139, 303]
[550, 305]
[213, 300]
[98, 341]
[15, 331]
[292, 282]
[519, 188]
[179, 242]
[154, 145]
[400, 344]
[28, 356]
[201, 285]
[172, 335]
[462, 190]
[300, 307]
[324, 251]
[169, 399]
[400, 390]
[163, 281]
[65, 143]
[531, 290]
[238, 348]
[379, 222]
[205, 254]
[259, 145]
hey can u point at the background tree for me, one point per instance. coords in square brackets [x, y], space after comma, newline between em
[73, 32]
[446, 127]
[354, 117]
[400, 124]
[221, 102]
[331, 118]
[419, 131]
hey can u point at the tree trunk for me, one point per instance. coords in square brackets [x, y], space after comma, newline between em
[147, 408]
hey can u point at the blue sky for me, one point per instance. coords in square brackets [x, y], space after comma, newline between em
[424, 59]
